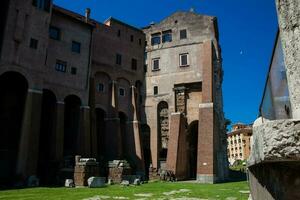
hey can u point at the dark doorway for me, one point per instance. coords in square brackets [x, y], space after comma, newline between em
[100, 130]
[13, 90]
[71, 135]
[46, 166]
[145, 129]
[192, 149]
[123, 127]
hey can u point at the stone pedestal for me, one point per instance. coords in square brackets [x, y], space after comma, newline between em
[84, 169]
[274, 163]
[117, 169]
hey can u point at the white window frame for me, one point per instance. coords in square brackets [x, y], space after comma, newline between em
[154, 59]
[187, 59]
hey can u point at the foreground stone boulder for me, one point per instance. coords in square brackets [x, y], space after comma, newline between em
[96, 182]
[274, 163]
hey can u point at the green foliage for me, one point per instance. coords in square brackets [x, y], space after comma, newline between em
[239, 165]
[217, 191]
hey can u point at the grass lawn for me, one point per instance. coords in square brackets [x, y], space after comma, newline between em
[156, 190]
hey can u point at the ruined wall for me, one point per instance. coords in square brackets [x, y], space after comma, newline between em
[289, 24]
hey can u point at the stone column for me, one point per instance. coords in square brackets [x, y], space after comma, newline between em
[59, 131]
[85, 134]
[29, 142]
[289, 25]
[113, 139]
[136, 150]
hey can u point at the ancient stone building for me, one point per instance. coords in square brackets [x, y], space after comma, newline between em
[274, 161]
[117, 77]
[73, 86]
[44, 75]
[238, 143]
[184, 75]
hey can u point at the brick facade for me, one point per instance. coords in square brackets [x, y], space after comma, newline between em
[89, 80]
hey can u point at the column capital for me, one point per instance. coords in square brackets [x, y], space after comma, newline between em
[35, 91]
[60, 102]
[85, 107]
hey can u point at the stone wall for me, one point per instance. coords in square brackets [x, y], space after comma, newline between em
[289, 25]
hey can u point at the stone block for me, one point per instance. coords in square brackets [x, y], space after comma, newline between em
[137, 181]
[96, 182]
[275, 141]
[69, 183]
[125, 183]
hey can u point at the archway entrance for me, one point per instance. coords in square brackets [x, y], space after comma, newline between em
[163, 132]
[123, 127]
[46, 168]
[13, 90]
[100, 130]
[71, 135]
[145, 129]
[192, 149]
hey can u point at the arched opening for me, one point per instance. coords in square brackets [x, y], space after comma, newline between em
[46, 168]
[192, 135]
[163, 131]
[71, 129]
[145, 130]
[13, 89]
[123, 127]
[100, 131]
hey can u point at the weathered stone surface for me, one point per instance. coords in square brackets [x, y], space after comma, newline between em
[69, 183]
[289, 24]
[96, 182]
[277, 140]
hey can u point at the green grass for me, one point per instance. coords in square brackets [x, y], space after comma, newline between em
[203, 191]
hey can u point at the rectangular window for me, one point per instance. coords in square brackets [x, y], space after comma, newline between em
[122, 92]
[119, 59]
[155, 64]
[73, 70]
[183, 34]
[76, 47]
[140, 42]
[133, 64]
[61, 66]
[155, 90]
[155, 39]
[33, 43]
[183, 60]
[145, 68]
[131, 38]
[42, 4]
[54, 33]
[100, 87]
[167, 36]
[119, 33]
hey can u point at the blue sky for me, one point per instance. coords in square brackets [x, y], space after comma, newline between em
[247, 33]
